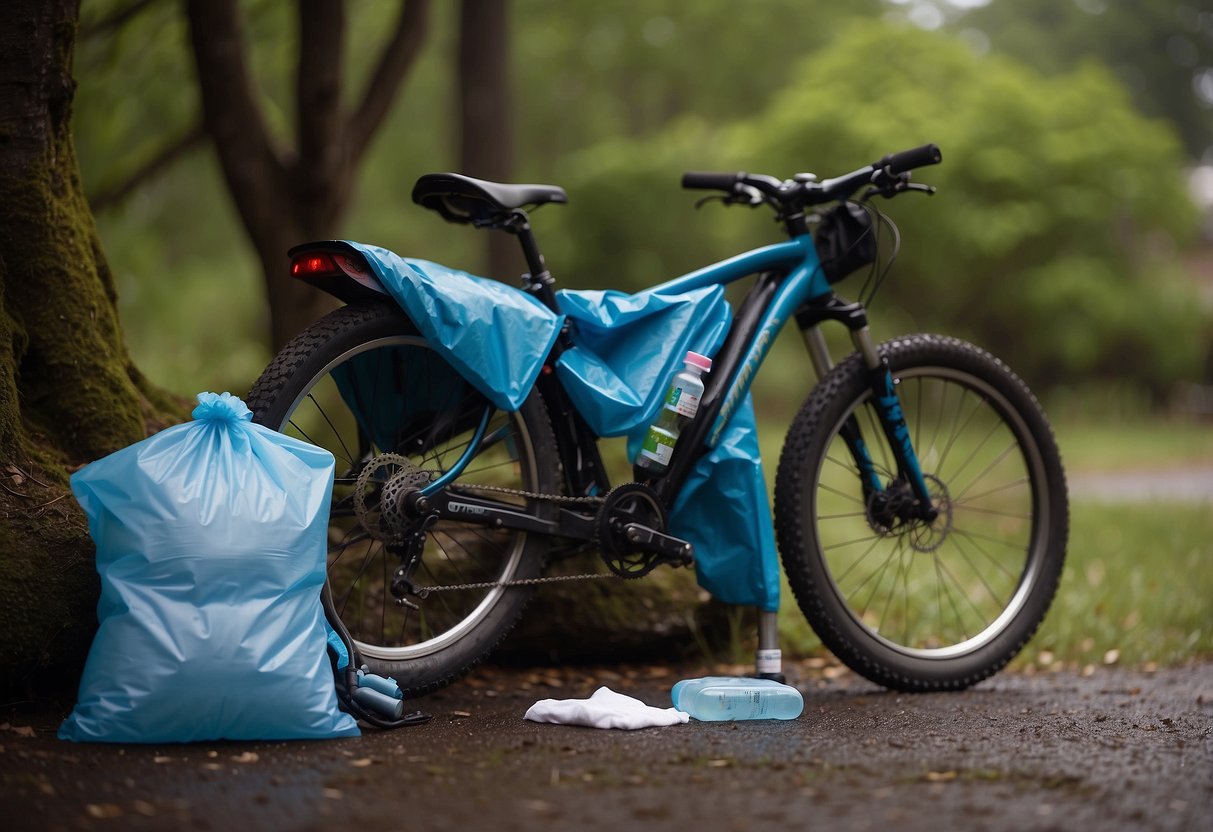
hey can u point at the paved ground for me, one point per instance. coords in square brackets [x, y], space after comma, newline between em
[1112, 751]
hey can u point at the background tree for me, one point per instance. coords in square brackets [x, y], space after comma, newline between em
[69, 391]
[486, 125]
[286, 196]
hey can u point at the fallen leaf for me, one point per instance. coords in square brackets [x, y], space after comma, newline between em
[362, 762]
[19, 730]
[1112, 656]
[246, 757]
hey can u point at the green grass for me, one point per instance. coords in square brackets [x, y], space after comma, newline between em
[1133, 444]
[1137, 589]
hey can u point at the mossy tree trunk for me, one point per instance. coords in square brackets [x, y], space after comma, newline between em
[69, 392]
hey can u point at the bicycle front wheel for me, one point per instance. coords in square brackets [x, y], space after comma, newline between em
[910, 604]
[363, 384]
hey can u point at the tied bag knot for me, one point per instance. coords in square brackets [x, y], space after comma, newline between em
[221, 407]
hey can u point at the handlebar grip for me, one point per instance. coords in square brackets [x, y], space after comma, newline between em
[928, 154]
[706, 181]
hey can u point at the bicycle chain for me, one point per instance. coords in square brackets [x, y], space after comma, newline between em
[554, 498]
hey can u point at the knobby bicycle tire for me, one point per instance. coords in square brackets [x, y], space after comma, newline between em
[909, 605]
[362, 383]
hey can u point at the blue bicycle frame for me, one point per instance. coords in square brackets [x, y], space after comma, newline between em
[791, 283]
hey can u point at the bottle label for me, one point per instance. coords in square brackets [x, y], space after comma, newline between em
[687, 404]
[658, 447]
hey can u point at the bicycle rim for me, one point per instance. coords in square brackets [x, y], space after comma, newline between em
[394, 395]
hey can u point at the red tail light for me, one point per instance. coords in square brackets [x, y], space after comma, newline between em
[313, 265]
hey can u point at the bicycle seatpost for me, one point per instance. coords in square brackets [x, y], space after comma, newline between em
[538, 280]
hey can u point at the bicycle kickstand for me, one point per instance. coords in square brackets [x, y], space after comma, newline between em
[769, 659]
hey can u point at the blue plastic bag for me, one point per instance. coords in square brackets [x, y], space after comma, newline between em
[211, 542]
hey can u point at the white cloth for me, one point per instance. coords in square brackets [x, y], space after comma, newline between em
[605, 709]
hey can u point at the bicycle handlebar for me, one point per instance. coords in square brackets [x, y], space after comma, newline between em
[793, 193]
[706, 181]
[918, 157]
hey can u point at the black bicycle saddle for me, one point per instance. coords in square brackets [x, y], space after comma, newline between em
[462, 199]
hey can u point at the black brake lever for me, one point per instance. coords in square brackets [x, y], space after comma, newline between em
[891, 190]
[741, 195]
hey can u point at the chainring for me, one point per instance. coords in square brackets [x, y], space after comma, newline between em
[631, 502]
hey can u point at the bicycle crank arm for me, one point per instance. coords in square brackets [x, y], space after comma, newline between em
[673, 549]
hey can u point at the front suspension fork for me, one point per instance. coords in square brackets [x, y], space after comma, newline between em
[892, 420]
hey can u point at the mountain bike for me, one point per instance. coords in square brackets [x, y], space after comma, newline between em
[920, 504]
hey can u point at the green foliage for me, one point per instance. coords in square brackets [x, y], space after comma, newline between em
[587, 70]
[1160, 50]
[1051, 241]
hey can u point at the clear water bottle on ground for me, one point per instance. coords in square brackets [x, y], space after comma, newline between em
[680, 406]
[727, 698]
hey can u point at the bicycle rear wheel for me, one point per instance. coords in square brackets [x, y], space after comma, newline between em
[910, 604]
[363, 384]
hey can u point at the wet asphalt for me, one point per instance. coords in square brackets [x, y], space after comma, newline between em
[1110, 751]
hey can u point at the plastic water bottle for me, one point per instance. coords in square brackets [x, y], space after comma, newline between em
[727, 698]
[681, 405]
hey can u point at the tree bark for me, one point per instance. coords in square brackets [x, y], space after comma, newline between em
[486, 144]
[69, 391]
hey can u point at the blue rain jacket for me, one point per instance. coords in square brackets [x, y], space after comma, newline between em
[211, 544]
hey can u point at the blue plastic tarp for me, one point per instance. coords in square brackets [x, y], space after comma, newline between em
[211, 545]
[626, 349]
[723, 510]
[629, 346]
[496, 336]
